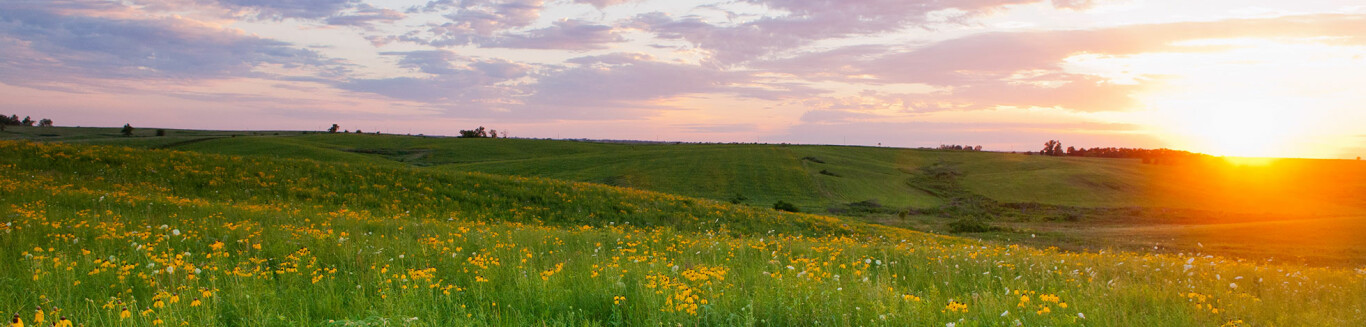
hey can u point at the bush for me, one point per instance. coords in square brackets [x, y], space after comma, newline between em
[813, 159]
[738, 198]
[968, 225]
[784, 206]
[829, 173]
[161, 132]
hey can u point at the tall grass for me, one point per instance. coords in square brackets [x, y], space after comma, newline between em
[179, 238]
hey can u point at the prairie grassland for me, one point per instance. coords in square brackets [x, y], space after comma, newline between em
[110, 236]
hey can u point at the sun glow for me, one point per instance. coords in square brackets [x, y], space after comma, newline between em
[1251, 97]
[1238, 128]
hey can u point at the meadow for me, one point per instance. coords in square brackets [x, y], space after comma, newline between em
[1284, 210]
[116, 236]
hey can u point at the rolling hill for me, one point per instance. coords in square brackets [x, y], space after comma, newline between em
[107, 235]
[764, 173]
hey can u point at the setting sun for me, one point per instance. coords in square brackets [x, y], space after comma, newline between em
[1238, 129]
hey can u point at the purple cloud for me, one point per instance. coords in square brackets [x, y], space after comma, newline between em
[627, 85]
[454, 79]
[40, 44]
[602, 3]
[570, 34]
[289, 8]
[499, 24]
[1025, 68]
[365, 15]
[807, 21]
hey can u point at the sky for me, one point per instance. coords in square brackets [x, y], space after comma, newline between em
[1226, 77]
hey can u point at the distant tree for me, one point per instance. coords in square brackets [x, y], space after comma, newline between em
[44, 122]
[493, 133]
[27, 121]
[127, 130]
[977, 148]
[1052, 148]
[358, 131]
[475, 133]
[161, 132]
[11, 120]
[333, 129]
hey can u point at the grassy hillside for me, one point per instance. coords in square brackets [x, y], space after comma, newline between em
[115, 236]
[763, 174]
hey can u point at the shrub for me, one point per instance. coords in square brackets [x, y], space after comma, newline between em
[968, 225]
[784, 206]
[829, 173]
[813, 159]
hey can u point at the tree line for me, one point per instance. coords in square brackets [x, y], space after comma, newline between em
[956, 147]
[480, 132]
[13, 120]
[1153, 156]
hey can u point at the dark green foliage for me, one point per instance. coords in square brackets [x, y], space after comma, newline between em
[474, 133]
[969, 225]
[813, 159]
[829, 173]
[161, 132]
[127, 130]
[861, 208]
[738, 198]
[784, 206]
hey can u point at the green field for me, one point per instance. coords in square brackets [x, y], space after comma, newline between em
[1074, 203]
[178, 238]
[764, 174]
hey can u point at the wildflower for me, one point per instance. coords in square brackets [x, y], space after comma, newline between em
[64, 322]
[617, 299]
[194, 303]
[158, 304]
[954, 306]
[16, 322]
[38, 317]
[125, 314]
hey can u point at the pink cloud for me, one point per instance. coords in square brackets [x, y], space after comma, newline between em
[982, 71]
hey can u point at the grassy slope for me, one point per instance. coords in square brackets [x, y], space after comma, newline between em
[767, 173]
[304, 242]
